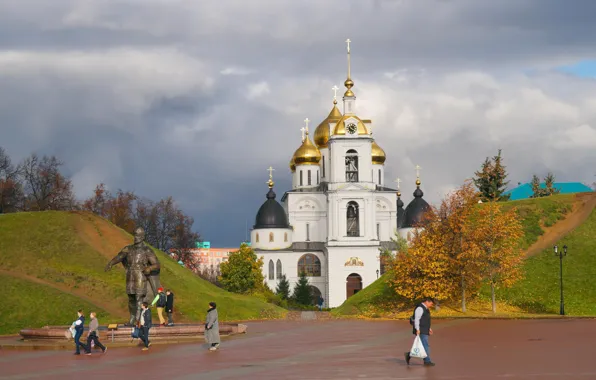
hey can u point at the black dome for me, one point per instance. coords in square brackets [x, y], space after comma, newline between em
[415, 210]
[271, 214]
[400, 212]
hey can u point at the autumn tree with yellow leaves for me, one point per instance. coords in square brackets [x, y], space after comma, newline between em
[458, 235]
[423, 270]
[459, 245]
[497, 235]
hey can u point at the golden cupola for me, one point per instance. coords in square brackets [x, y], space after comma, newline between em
[322, 132]
[292, 165]
[378, 154]
[308, 153]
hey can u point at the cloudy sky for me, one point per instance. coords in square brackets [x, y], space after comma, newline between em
[195, 99]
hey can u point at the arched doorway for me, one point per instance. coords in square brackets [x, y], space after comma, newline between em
[315, 293]
[353, 284]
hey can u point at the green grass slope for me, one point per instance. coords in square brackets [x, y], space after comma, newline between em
[538, 293]
[540, 213]
[57, 259]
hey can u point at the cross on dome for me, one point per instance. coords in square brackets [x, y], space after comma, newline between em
[270, 182]
[349, 83]
[398, 181]
[418, 175]
[303, 130]
[335, 88]
[306, 121]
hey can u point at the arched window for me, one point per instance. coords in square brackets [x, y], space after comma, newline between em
[308, 177]
[353, 223]
[310, 265]
[271, 238]
[271, 270]
[379, 177]
[323, 159]
[278, 269]
[257, 237]
[351, 166]
[285, 237]
[317, 178]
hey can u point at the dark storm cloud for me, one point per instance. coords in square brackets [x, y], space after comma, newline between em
[197, 99]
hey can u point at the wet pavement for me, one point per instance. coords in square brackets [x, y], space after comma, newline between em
[463, 349]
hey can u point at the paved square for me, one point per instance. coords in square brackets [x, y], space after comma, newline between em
[463, 349]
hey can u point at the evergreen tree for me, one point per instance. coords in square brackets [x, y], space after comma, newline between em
[491, 179]
[302, 293]
[549, 182]
[549, 186]
[283, 288]
[536, 190]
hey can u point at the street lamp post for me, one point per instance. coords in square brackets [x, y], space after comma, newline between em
[561, 254]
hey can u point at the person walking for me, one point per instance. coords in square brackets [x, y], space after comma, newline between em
[170, 307]
[421, 327]
[320, 303]
[93, 334]
[212, 327]
[161, 301]
[145, 325]
[79, 327]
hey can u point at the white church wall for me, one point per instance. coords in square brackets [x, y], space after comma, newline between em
[302, 175]
[324, 164]
[386, 215]
[338, 148]
[289, 261]
[271, 238]
[338, 206]
[308, 215]
[378, 174]
[340, 267]
[407, 233]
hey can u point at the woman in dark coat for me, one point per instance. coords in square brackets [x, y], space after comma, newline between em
[212, 327]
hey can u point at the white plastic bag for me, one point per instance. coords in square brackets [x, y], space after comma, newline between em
[418, 350]
[72, 329]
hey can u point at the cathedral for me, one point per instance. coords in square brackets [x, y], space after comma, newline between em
[339, 214]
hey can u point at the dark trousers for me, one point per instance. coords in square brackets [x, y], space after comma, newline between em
[93, 337]
[170, 317]
[144, 335]
[78, 343]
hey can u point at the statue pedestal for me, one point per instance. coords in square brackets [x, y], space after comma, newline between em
[122, 333]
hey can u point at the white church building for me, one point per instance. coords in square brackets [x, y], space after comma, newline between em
[338, 215]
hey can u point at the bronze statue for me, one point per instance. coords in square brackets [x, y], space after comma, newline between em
[142, 267]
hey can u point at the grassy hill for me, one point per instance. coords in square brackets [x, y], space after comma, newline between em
[52, 263]
[538, 293]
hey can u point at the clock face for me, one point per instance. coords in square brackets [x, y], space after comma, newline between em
[352, 128]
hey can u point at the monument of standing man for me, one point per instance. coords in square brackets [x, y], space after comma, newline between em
[142, 267]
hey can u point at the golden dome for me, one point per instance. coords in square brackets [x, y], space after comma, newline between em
[292, 165]
[322, 131]
[307, 154]
[378, 154]
[340, 128]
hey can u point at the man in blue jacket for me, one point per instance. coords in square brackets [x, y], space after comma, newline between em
[421, 327]
[79, 328]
